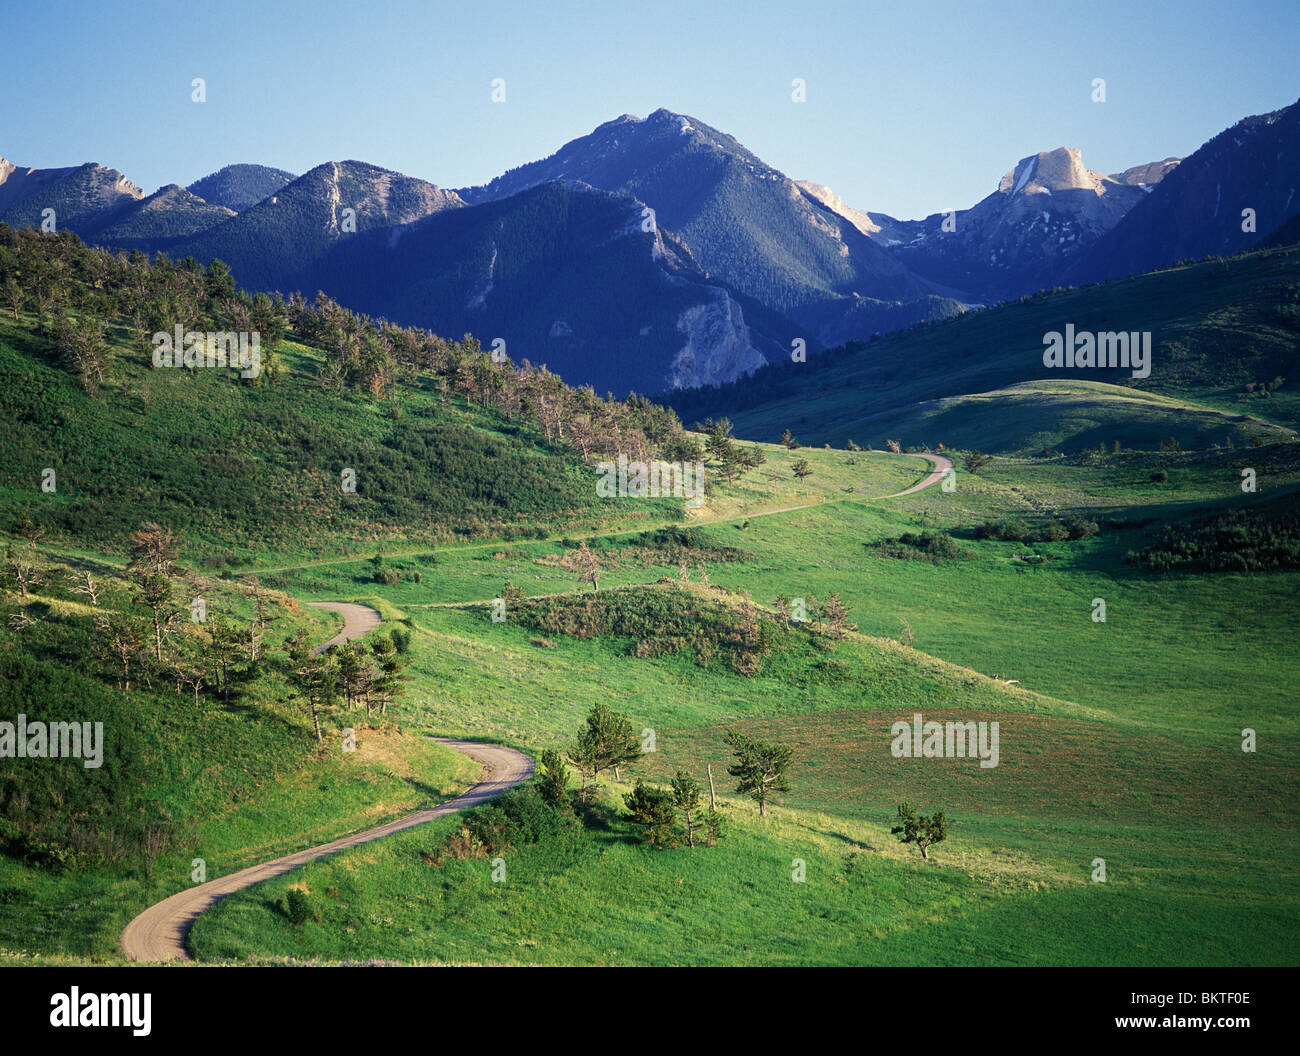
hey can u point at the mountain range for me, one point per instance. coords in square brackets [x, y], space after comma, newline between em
[661, 253]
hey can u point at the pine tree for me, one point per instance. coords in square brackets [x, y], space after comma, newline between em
[224, 645]
[686, 798]
[153, 551]
[607, 742]
[314, 677]
[554, 784]
[713, 827]
[155, 594]
[761, 767]
[584, 754]
[653, 810]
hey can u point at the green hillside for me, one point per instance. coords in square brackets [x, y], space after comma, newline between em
[436, 440]
[1062, 415]
[1121, 739]
[1225, 337]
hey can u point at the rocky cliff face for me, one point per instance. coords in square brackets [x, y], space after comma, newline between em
[717, 345]
[1147, 175]
[566, 275]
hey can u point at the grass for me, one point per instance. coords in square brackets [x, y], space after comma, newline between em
[1122, 739]
[232, 785]
[1050, 415]
[1132, 755]
[599, 897]
[244, 471]
[1217, 327]
[735, 903]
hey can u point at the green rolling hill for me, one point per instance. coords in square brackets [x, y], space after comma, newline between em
[1225, 348]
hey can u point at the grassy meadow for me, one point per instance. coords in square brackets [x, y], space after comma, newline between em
[1122, 741]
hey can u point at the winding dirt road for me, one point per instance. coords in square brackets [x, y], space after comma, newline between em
[941, 466]
[358, 620]
[158, 934]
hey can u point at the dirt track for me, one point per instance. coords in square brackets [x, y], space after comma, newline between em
[158, 934]
[941, 466]
[357, 620]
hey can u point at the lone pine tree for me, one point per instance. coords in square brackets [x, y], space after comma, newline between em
[761, 767]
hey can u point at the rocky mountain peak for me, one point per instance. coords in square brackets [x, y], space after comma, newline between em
[1051, 171]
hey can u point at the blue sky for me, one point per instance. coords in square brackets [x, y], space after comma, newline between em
[911, 108]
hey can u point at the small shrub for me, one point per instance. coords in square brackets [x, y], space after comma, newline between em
[298, 908]
[935, 547]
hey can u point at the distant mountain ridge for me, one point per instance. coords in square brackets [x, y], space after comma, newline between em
[1043, 213]
[85, 198]
[659, 252]
[170, 213]
[745, 222]
[280, 236]
[650, 317]
[1197, 210]
[236, 187]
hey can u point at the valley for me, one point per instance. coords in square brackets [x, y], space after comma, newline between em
[632, 551]
[1120, 741]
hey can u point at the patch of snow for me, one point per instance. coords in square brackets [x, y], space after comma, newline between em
[1024, 178]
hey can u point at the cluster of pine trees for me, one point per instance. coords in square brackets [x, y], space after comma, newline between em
[85, 300]
[666, 817]
[157, 639]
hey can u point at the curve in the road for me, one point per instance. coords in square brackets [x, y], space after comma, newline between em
[941, 466]
[357, 620]
[158, 934]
